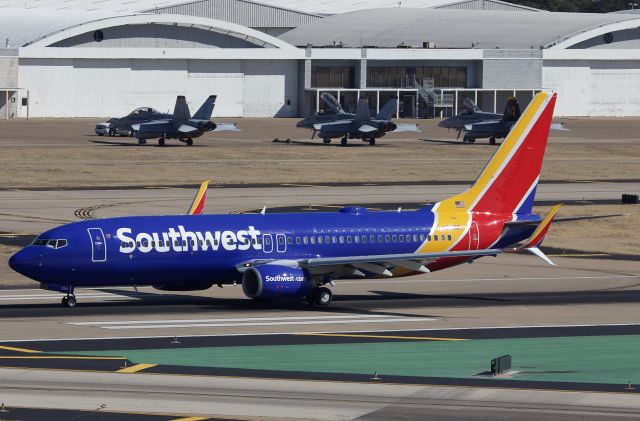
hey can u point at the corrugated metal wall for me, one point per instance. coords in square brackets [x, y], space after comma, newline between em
[486, 5]
[242, 12]
[9, 71]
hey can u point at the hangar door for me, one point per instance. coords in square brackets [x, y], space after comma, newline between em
[224, 78]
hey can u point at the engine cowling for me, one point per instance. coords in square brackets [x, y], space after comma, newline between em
[271, 281]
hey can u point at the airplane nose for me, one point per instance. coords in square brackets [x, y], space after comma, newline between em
[24, 262]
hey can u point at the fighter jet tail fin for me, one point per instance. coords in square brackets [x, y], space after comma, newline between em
[362, 111]
[181, 111]
[206, 110]
[511, 110]
[389, 109]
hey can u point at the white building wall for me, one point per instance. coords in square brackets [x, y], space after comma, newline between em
[594, 87]
[100, 87]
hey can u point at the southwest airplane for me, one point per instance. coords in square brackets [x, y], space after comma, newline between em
[293, 256]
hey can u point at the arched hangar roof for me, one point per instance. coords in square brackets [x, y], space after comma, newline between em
[42, 28]
[392, 27]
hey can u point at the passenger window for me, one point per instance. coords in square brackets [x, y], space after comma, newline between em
[334, 239]
[356, 238]
[327, 240]
[387, 238]
[415, 238]
[289, 240]
[349, 239]
[449, 237]
[379, 238]
[175, 243]
[394, 238]
[305, 240]
[319, 239]
[422, 237]
[442, 237]
[435, 237]
[364, 239]
[298, 241]
[342, 239]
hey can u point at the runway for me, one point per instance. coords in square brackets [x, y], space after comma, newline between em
[33, 211]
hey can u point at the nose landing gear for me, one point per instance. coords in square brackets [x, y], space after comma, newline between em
[69, 300]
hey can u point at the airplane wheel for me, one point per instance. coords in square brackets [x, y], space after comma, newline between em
[492, 140]
[161, 141]
[142, 141]
[322, 297]
[112, 132]
[326, 140]
[372, 141]
[189, 142]
[69, 301]
[130, 132]
[343, 141]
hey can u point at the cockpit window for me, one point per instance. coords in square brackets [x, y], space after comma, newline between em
[50, 242]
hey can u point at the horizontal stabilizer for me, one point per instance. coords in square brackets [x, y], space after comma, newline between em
[226, 127]
[406, 128]
[559, 126]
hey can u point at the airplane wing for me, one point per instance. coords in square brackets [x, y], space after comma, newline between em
[226, 127]
[376, 264]
[469, 127]
[406, 128]
[319, 126]
[365, 128]
[559, 126]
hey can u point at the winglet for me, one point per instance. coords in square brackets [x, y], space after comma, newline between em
[538, 235]
[197, 206]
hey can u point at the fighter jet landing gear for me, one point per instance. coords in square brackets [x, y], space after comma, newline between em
[142, 141]
[161, 141]
[468, 139]
[326, 140]
[492, 140]
[320, 297]
[189, 142]
[372, 141]
[69, 301]
[343, 141]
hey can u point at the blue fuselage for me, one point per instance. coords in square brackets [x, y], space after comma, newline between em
[206, 249]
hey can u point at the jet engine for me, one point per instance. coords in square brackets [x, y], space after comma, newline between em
[207, 126]
[270, 281]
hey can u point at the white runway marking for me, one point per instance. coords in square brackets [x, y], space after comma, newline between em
[318, 331]
[253, 321]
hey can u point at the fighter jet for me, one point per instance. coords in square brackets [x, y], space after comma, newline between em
[127, 125]
[480, 124]
[181, 125]
[337, 123]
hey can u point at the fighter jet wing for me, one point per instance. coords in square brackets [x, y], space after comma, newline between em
[469, 127]
[185, 128]
[365, 128]
[406, 128]
[319, 126]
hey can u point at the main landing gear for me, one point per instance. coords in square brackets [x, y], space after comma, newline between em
[343, 141]
[161, 141]
[320, 297]
[69, 300]
[492, 140]
[142, 141]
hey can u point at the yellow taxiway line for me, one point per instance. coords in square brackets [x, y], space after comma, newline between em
[139, 367]
[25, 350]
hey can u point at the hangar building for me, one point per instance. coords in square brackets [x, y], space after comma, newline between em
[265, 58]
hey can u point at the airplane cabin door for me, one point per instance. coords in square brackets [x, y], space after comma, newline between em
[474, 236]
[98, 245]
[281, 243]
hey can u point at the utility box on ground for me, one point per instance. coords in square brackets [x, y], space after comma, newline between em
[500, 365]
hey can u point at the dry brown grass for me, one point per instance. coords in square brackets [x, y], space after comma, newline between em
[52, 153]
